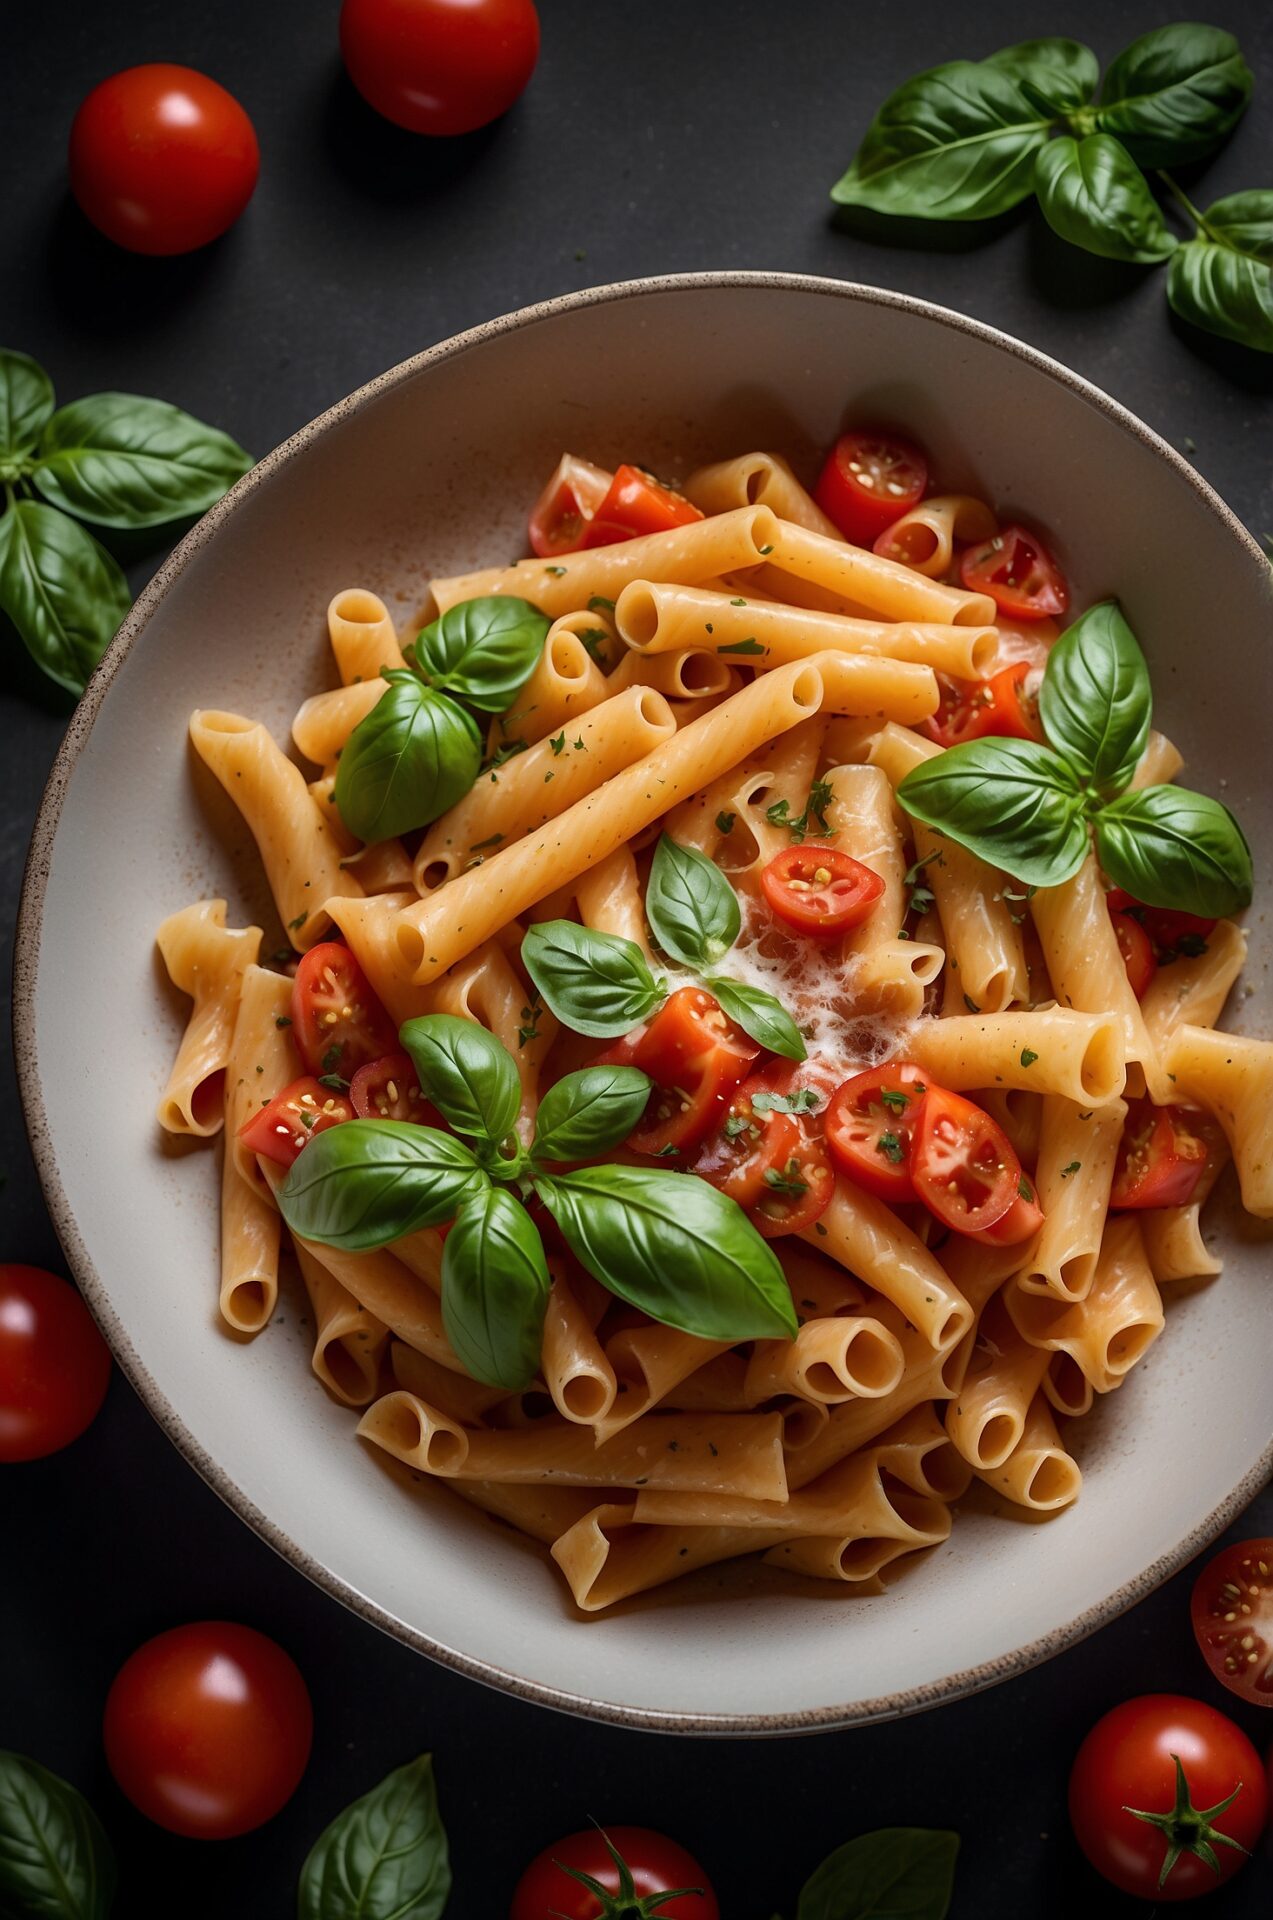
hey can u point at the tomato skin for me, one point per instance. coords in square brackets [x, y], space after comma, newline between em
[1137, 950]
[962, 1163]
[1021, 1222]
[655, 1863]
[208, 1729]
[338, 1024]
[1018, 572]
[1231, 1604]
[1171, 932]
[389, 1089]
[822, 908]
[737, 1164]
[54, 1364]
[559, 518]
[439, 67]
[635, 504]
[697, 1058]
[1127, 1761]
[891, 477]
[1162, 1156]
[770, 1147]
[278, 1132]
[972, 709]
[858, 1115]
[162, 159]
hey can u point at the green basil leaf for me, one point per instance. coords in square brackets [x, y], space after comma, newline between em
[673, 1246]
[63, 592]
[1174, 94]
[366, 1182]
[466, 1073]
[1061, 74]
[759, 1014]
[384, 1857]
[589, 1112]
[595, 983]
[1095, 701]
[1012, 802]
[495, 1285]
[1223, 279]
[55, 1861]
[413, 756]
[1095, 196]
[483, 650]
[690, 905]
[1173, 848]
[955, 143]
[123, 461]
[883, 1875]
[26, 401]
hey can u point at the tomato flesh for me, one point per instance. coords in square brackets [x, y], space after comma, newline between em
[818, 891]
[559, 518]
[293, 1117]
[1161, 1158]
[548, 1891]
[1021, 1222]
[54, 1364]
[870, 1126]
[636, 504]
[439, 67]
[389, 1089]
[962, 1163]
[1018, 572]
[338, 1024]
[1232, 1614]
[771, 1162]
[972, 709]
[1137, 950]
[867, 481]
[697, 1059]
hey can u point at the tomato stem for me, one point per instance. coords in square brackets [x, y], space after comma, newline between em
[627, 1904]
[1189, 1829]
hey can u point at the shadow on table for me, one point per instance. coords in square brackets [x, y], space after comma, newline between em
[1242, 365]
[931, 236]
[1070, 277]
[108, 291]
[385, 162]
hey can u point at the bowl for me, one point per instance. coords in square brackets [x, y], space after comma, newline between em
[429, 470]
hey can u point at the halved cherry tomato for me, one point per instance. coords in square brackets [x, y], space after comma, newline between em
[697, 1058]
[1174, 934]
[770, 1161]
[54, 1364]
[1021, 1222]
[868, 480]
[820, 891]
[962, 1163]
[654, 1866]
[1232, 1613]
[637, 503]
[747, 1146]
[870, 1125]
[338, 1024]
[1161, 1158]
[559, 518]
[1137, 950]
[797, 1192]
[1016, 569]
[971, 709]
[389, 1089]
[292, 1118]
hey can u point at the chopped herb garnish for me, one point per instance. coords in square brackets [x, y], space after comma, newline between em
[891, 1147]
[821, 794]
[529, 1030]
[742, 646]
[669, 1152]
[579, 745]
[1191, 945]
[735, 1125]
[1028, 1056]
[819, 1229]
[558, 742]
[709, 626]
[299, 921]
[764, 549]
[738, 603]
[594, 640]
[547, 778]
[557, 570]
[725, 822]
[282, 1019]
[803, 1100]
[894, 1098]
[921, 899]
[971, 1004]
[1072, 1168]
[599, 600]
[332, 1080]
[509, 751]
[491, 840]
[1025, 1189]
[786, 1180]
[307, 1120]
[331, 1059]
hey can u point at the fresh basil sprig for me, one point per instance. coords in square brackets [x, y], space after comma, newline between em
[1222, 279]
[691, 907]
[589, 1112]
[495, 1285]
[595, 983]
[1032, 809]
[758, 1013]
[482, 650]
[1175, 94]
[897, 1870]
[468, 1075]
[364, 1183]
[55, 1860]
[1094, 195]
[383, 1858]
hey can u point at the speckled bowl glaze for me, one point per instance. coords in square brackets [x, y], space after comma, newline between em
[430, 470]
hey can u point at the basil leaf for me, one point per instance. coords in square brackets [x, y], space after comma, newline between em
[955, 143]
[759, 1014]
[673, 1246]
[1174, 94]
[466, 1073]
[880, 1876]
[1173, 848]
[690, 905]
[483, 650]
[413, 756]
[495, 1285]
[595, 983]
[384, 1857]
[1095, 701]
[366, 1182]
[1222, 280]
[63, 592]
[55, 1860]
[1061, 74]
[590, 1112]
[1094, 195]
[1012, 802]
[26, 401]
[123, 461]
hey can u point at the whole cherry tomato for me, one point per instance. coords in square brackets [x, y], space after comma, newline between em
[439, 66]
[54, 1364]
[610, 1873]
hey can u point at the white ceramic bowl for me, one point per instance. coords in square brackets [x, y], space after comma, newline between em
[429, 470]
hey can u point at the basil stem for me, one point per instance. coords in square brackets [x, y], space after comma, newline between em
[466, 1073]
[690, 905]
[366, 1182]
[495, 1285]
[595, 983]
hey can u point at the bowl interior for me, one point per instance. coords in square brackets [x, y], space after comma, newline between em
[431, 471]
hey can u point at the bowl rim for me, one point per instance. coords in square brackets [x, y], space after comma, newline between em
[26, 973]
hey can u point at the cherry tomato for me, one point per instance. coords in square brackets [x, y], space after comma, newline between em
[868, 480]
[54, 1364]
[637, 503]
[338, 1024]
[962, 1163]
[389, 1089]
[162, 159]
[971, 709]
[870, 1125]
[1137, 950]
[1017, 571]
[631, 1865]
[1232, 1614]
[208, 1728]
[819, 891]
[1158, 1779]
[1021, 1222]
[292, 1118]
[696, 1058]
[559, 518]
[1174, 934]
[768, 1160]
[750, 1144]
[439, 66]
[1161, 1157]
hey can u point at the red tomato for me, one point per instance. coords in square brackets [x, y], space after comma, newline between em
[870, 1125]
[769, 1161]
[696, 1058]
[1174, 934]
[748, 1146]
[1157, 1779]
[54, 1364]
[292, 1119]
[1232, 1614]
[439, 66]
[816, 890]
[1021, 1222]
[868, 480]
[559, 518]
[971, 709]
[1137, 950]
[1017, 571]
[388, 1089]
[208, 1728]
[1161, 1158]
[631, 1863]
[338, 1024]
[637, 503]
[962, 1163]
[162, 159]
